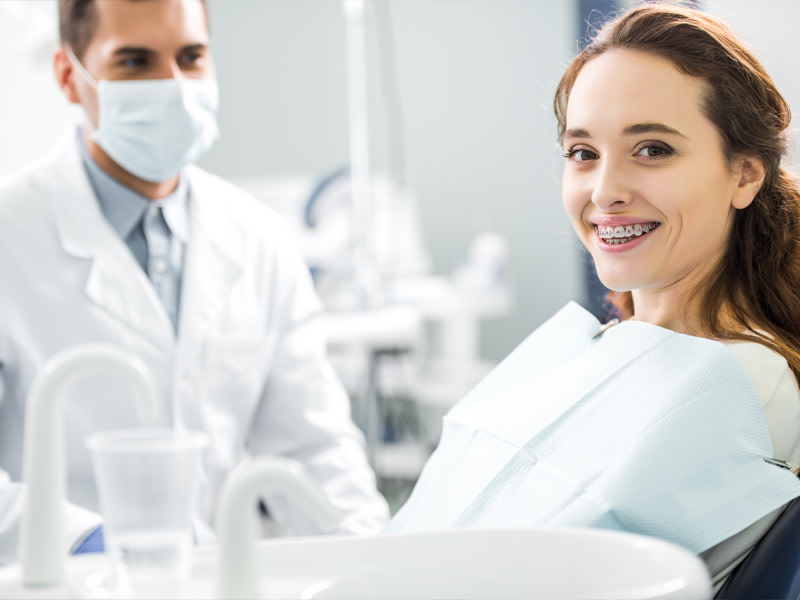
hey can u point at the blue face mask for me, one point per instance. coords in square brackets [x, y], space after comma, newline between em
[153, 128]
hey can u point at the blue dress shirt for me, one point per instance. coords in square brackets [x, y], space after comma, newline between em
[125, 210]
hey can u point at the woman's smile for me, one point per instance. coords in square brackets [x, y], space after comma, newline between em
[613, 237]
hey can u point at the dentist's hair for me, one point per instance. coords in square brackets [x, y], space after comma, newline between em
[77, 21]
[76, 24]
[754, 292]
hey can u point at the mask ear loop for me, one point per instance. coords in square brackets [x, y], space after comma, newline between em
[80, 68]
[89, 79]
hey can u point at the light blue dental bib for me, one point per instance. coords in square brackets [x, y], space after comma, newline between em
[639, 429]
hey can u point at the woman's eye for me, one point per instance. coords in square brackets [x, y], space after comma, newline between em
[580, 154]
[654, 151]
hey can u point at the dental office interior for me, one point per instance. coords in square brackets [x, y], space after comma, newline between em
[410, 146]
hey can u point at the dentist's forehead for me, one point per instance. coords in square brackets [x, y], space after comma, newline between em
[155, 24]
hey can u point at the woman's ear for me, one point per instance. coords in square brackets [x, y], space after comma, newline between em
[751, 172]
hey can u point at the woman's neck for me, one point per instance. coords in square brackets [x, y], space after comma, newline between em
[678, 311]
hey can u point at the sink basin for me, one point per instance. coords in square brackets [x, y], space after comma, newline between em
[464, 564]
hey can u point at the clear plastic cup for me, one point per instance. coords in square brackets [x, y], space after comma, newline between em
[147, 482]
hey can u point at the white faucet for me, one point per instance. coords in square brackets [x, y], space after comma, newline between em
[42, 532]
[236, 517]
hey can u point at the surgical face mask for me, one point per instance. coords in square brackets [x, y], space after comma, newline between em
[153, 128]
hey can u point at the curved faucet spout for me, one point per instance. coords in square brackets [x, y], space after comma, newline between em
[236, 517]
[42, 554]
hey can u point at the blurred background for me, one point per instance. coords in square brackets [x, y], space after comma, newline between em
[411, 144]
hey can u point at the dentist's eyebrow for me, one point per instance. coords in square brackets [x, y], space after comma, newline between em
[128, 50]
[195, 48]
[640, 128]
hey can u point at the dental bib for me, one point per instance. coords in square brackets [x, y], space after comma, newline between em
[635, 428]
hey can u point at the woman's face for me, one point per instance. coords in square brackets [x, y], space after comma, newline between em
[646, 184]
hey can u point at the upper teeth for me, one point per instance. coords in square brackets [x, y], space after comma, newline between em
[625, 231]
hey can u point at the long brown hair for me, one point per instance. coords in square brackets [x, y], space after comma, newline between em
[753, 294]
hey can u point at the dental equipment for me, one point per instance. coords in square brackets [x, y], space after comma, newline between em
[236, 517]
[43, 557]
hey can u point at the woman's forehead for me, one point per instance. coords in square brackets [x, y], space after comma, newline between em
[622, 88]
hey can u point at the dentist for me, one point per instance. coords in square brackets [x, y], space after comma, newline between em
[116, 238]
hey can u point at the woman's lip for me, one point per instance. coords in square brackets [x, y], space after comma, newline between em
[622, 222]
[621, 248]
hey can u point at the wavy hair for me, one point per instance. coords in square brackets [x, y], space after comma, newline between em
[753, 294]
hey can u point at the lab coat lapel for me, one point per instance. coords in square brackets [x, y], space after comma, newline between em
[211, 268]
[213, 262]
[115, 283]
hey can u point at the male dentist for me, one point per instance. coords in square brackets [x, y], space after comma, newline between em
[116, 238]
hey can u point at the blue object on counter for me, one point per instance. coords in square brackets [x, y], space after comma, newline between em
[93, 543]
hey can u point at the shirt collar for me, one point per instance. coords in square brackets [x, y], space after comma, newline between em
[176, 210]
[123, 207]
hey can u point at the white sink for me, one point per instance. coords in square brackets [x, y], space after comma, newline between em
[463, 564]
[556, 564]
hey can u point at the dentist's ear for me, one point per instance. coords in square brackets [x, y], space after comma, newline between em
[751, 173]
[65, 75]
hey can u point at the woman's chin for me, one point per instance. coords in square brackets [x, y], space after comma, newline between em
[617, 283]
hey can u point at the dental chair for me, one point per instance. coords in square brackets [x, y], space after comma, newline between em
[772, 570]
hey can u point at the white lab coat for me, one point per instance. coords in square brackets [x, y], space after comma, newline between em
[248, 367]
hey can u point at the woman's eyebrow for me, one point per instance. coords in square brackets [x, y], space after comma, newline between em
[636, 129]
[576, 133]
[640, 128]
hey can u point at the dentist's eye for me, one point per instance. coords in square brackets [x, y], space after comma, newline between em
[651, 150]
[580, 154]
[133, 63]
[190, 60]
[133, 60]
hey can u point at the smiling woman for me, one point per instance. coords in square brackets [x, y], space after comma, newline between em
[683, 420]
[693, 103]
[655, 161]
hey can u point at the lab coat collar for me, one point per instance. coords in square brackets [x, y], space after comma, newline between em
[115, 283]
[82, 229]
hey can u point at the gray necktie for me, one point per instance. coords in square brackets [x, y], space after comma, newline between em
[160, 268]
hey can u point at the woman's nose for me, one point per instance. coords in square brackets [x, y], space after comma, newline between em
[611, 187]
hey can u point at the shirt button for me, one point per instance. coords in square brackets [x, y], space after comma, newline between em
[160, 265]
[153, 211]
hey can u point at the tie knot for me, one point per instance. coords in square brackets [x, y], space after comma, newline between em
[156, 232]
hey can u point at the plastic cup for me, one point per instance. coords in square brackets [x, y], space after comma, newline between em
[147, 481]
